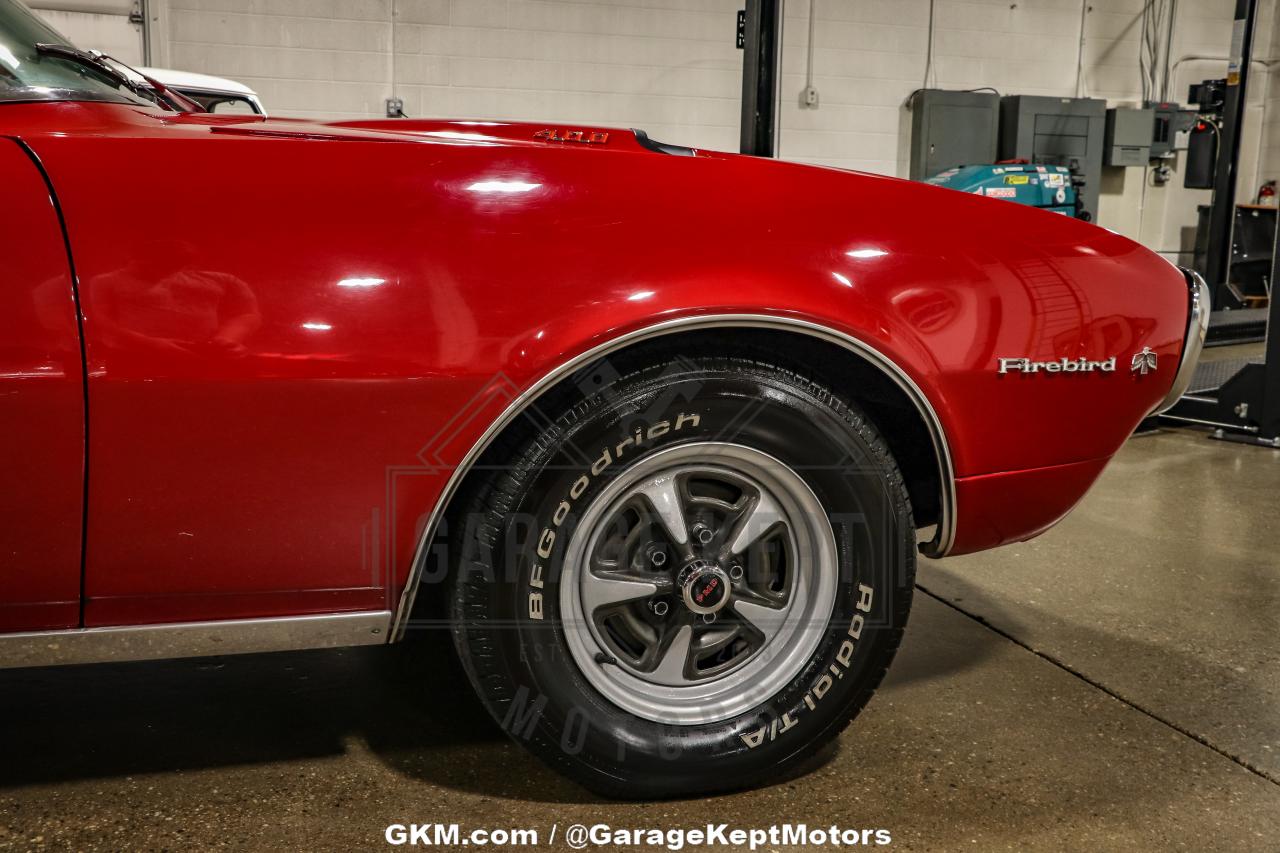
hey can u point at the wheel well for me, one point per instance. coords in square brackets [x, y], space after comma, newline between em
[850, 375]
[846, 372]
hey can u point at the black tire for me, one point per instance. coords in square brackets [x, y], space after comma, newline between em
[520, 666]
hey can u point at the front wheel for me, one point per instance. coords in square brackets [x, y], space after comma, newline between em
[689, 581]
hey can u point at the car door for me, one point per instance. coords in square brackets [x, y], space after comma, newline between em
[262, 354]
[42, 416]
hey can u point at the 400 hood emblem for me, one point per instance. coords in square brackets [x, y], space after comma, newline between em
[1143, 363]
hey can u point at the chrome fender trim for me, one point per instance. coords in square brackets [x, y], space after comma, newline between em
[939, 546]
[194, 639]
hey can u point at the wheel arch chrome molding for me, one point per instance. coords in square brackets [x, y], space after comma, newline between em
[1198, 311]
[944, 535]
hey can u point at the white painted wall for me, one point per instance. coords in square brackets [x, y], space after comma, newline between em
[870, 55]
[667, 65]
[670, 66]
[100, 24]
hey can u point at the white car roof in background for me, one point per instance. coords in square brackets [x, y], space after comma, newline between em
[190, 80]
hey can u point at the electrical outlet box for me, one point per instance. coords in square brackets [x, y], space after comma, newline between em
[395, 108]
[809, 98]
[1128, 136]
[1171, 129]
[950, 129]
[1057, 132]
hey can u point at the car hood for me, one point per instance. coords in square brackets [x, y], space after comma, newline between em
[454, 131]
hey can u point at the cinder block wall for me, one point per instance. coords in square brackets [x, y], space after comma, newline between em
[670, 66]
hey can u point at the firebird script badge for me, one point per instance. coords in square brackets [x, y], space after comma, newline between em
[1062, 365]
[1144, 362]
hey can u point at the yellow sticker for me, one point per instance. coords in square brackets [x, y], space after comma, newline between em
[1016, 179]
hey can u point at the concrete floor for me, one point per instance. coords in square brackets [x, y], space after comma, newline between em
[1113, 685]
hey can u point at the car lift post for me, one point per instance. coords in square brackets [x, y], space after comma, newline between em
[1222, 212]
[1246, 408]
[761, 39]
[1253, 394]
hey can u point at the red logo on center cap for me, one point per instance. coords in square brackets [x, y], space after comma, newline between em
[709, 587]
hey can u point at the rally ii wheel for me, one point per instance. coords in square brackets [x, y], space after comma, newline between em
[689, 580]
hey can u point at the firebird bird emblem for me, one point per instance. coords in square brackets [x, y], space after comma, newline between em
[594, 137]
[1144, 362]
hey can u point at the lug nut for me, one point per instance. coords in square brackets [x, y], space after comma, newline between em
[703, 534]
[658, 557]
[659, 608]
[735, 572]
[709, 618]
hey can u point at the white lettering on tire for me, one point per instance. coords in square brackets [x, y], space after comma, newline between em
[820, 688]
[547, 539]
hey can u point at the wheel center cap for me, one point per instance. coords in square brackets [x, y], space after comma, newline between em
[704, 586]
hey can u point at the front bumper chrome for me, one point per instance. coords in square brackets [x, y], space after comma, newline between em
[1197, 327]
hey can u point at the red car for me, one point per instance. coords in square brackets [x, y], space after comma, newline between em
[654, 432]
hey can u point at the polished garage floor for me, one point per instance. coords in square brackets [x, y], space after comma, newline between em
[1113, 685]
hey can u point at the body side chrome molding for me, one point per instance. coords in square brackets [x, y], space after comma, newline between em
[939, 546]
[193, 639]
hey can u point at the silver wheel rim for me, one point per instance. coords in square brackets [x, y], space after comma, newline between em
[698, 584]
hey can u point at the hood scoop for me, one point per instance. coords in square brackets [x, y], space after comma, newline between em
[662, 147]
